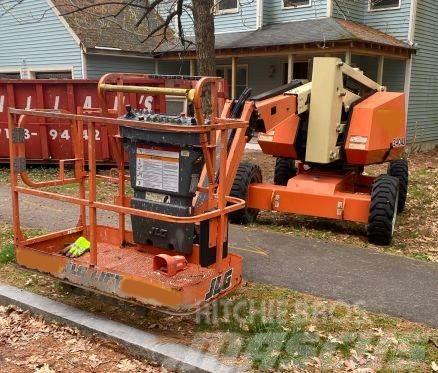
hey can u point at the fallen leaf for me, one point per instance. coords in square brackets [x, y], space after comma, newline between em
[126, 365]
[349, 365]
[311, 328]
[94, 361]
[44, 369]
[378, 332]
[333, 339]
[434, 366]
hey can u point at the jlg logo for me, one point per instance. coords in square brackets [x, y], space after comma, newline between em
[219, 284]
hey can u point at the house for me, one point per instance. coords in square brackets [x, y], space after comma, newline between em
[259, 43]
[37, 42]
[265, 43]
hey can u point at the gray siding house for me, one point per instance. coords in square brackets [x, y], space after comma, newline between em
[259, 44]
[264, 43]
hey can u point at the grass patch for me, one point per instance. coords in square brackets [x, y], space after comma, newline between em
[7, 252]
[106, 191]
[262, 326]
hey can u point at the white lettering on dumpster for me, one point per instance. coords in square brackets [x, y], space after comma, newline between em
[2, 103]
[146, 102]
[65, 134]
[53, 133]
[116, 102]
[87, 102]
[56, 106]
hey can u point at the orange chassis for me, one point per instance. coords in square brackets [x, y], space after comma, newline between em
[340, 196]
[115, 265]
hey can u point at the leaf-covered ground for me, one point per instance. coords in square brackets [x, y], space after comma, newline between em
[30, 344]
[417, 228]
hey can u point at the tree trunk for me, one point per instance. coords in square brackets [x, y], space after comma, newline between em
[204, 36]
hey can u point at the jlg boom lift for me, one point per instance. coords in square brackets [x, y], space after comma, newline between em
[187, 181]
[176, 257]
[333, 127]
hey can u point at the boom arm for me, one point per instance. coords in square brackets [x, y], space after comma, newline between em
[325, 99]
[328, 99]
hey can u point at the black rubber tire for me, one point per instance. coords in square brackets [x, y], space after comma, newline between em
[400, 169]
[247, 174]
[285, 169]
[383, 210]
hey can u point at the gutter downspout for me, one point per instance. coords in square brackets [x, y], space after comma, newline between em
[329, 8]
[259, 11]
[411, 38]
[83, 63]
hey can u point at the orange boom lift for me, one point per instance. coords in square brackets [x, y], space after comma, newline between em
[176, 258]
[323, 134]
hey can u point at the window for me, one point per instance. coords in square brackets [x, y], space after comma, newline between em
[241, 78]
[301, 71]
[226, 6]
[9, 75]
[176, 105]
[384, 4]
[296, 3]
[52, 74]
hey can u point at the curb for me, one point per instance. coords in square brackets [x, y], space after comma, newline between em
[172, 356]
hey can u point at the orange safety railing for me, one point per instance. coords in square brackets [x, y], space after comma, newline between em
[218, 205]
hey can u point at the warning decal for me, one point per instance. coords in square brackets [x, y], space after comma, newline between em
[157, 169]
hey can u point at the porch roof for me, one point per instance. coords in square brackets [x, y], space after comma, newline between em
[319, 33]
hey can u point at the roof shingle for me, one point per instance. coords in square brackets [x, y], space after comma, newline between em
[302, 32]
[96, 25]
